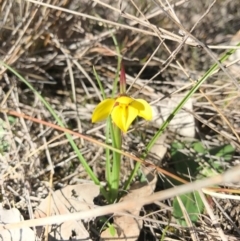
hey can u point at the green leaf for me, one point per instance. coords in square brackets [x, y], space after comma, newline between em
[207, 172]
[112, 230]
[225, 151]
[4, 145]
[193, 205]
[198, 147]
[183, 164]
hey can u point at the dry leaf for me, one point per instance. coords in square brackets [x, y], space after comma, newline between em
[72, 198]
[14, 216]
[128, 228]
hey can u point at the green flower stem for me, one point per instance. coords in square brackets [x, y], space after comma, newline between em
[116, 165]
[108, 172]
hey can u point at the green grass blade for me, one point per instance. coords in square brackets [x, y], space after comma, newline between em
[69, 137]
[99, 83]
[212, 69]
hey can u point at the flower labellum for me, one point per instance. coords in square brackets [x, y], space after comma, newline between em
[123, 111]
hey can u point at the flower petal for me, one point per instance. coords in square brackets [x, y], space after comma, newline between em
[103, 110]
[145, 110]
[132, 114]
[123, 116]
[125, 100]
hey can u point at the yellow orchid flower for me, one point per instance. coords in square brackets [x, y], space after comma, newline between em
[123, 111]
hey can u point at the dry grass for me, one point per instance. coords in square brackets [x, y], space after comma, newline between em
[54, 46]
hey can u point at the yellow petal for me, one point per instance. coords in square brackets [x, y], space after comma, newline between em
[103, 110]
[125, 100]
[132, 114]
[145, 110]
[123, 116]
